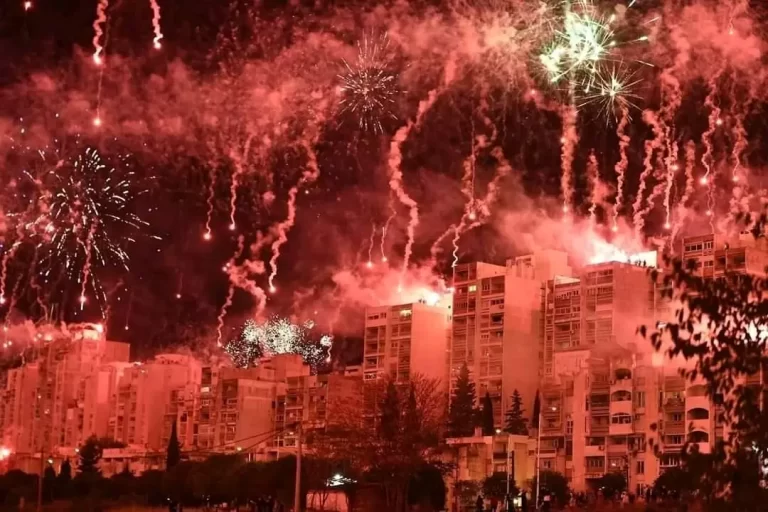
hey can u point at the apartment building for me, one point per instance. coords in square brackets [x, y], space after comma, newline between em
[316, 402]
[713, 255]
[406, 339]
[149, 397]
[497, 322]
[18, 396]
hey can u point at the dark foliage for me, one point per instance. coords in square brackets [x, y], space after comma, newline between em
[486, 416]
[552, 483]
[719, 328]
[495, 486]
[515, 422]
[173, 453]
[536, 411]
[461, 416]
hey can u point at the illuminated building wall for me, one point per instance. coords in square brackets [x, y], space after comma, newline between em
[18, 396]
[497, 323]
[604, 393]
[405, 340]
[150, 397]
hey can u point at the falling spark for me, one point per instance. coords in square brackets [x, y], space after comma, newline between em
[593, 177]
[707, 158]
[308, 177]
[101, 18]
[621, 165]
[230, 291]
[239, 161]
[682, 207]
[385, 229]
[569, 140]
[651, 146]
[369, 264]
[27, 6]
[156, 24]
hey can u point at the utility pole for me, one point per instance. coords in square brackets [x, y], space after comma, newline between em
[538, 459]
[297, 490]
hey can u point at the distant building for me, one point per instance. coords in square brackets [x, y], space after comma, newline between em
[405, 340]
[497, 324]
[150, 397]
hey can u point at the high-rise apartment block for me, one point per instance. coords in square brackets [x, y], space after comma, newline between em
[497, 324]
[404, 340]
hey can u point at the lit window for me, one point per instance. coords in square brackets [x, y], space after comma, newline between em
[405, 312]
[472, 288]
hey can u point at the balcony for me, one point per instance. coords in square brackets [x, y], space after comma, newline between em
[599, 429]
[674, 427]
[674, 405]
[697, 402]
[620, 429]
[594, 450]
[621, 407]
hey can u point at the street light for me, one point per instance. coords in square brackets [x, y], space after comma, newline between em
[5, 452]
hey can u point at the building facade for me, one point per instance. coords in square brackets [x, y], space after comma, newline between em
[497, 323]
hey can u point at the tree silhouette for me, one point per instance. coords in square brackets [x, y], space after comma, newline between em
[461, 417]
[486, 419]
[90, 455]
[389, 411]
[173, 452]
[718, 326]
[65, 473]
[515, 423]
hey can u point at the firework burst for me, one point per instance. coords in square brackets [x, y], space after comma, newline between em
[369, 86]
[278, 336]
[86, 211]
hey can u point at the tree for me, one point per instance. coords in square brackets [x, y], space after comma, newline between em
[389, 412]
[90, 455]
[495, 486]
[536, 411]
[427, 488]
[462, 410]
[49, 483]
[612, 484]
[388, 459]
[515, 423]
[717, 326]
[486, 418]
[173, 453]
[553, 483]
[65, 473]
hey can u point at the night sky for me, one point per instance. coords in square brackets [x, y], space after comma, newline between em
[264, 76]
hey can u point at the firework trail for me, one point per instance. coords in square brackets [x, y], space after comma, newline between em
[209, 201]
[396, 158]
[682, 207]
[569, 140]
[621, 165]
[392, 215]
[156, 24]
[651, 146]
[309, 176]
[468, 222]
[101, 18]
[435, 249]
[238, 160]
[87, 247]
[707, 158]
[369, 263]
[230, 291]
[35, 286]
[6, 257]
[593, 177]
[672, 167]
[739, 133]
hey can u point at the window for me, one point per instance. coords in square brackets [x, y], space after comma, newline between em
[472, 288]
[640, 467]
[569, 426]
[708, 244]
[595, 462]
[547, 464]
[639, 398]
